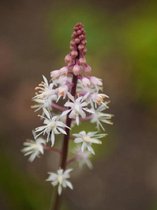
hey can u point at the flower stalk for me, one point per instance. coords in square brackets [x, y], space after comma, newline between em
[70, 98]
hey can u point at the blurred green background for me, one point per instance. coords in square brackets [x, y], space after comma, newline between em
[122, 49]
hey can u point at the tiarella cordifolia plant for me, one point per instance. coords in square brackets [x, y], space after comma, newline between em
[71, 96]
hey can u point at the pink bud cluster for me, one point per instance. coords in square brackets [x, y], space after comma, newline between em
[76, 60]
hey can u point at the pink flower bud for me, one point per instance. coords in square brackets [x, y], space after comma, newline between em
[96, 81]
[88, 69]
[74, 34]
[76, 69]
[74, 53]
[72, 47]
[84, 50]
[82, 60]
[83, 42]
[77, 40]
[80, 47]
[79, 32]
[55, 74]
[67, 59]
[64, 70]
[81, 37]
[72, 43]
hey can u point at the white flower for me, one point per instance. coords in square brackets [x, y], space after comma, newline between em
[90, 85]
[60, 179]
[96, 82]
[33, 148]
[83, 158]
[45, 95]
[77, 108]
[87, 139]
[52, 127]
[55, 74]
[100, 117]
[61, 81]
[85, 82]
[84, 86]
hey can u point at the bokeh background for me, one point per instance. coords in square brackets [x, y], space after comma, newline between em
[122, 49]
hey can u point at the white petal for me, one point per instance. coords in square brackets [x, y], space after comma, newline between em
[78, 140]
[46, 113]
[91, 149]
[69, 185]
[65, 112]
[59, 189]
[62, 131]
[70, 97]
[52, 139]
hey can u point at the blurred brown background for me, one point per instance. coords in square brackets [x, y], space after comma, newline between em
[122, 49]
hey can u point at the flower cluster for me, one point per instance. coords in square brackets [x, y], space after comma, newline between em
[69, 98]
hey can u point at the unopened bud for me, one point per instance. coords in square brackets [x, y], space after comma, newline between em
[88, 69]
[72, 47]
[55, 74]
[83, 42]
[79, 32]
[72, 43]
[82, 60]
[74, 53]
[64, 70]
[81, 37]
[76, 69]
[67, 59]
[84, 50]
[80, 47]
[77, 40]
[74, 34]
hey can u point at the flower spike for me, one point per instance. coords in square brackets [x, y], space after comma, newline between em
[70, 97]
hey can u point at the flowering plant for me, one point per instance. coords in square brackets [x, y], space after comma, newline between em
[71, 96]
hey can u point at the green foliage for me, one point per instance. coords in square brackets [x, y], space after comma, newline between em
[139, 37]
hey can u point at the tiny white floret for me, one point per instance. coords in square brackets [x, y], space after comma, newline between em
[83, 158]
[34, 148]
[52, 126]
[60, 178]
[76, 108]
[87, 139]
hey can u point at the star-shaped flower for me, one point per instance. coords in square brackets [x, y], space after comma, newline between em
[77, 108]
[99, 117]
[87, 139]
[83, 158]
[53, 126]
[34, 148]
[60, 179]
[45, 95]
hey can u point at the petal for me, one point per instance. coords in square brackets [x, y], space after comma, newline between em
[77, 120]
[65, 112]
[69, 185]
[83, 147]
[78, 140]
[62, 131]
[46, 113]
[59, 189]
[52, 139]
[90, 149]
